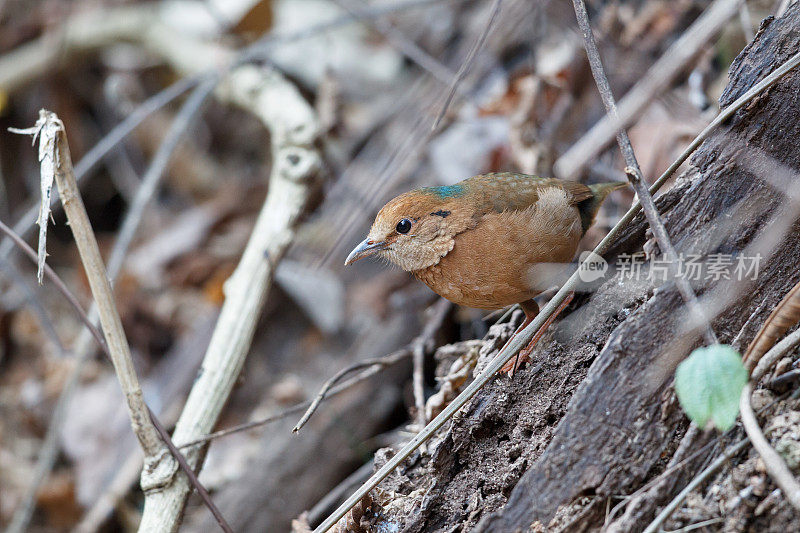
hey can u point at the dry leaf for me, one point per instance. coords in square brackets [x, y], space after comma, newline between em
[785, 315]
[47, 127]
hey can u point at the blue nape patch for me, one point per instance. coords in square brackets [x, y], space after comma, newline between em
[446, 191]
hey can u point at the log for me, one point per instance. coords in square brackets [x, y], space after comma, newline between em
[594, 415]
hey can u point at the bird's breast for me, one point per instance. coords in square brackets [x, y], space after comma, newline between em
[495, 264]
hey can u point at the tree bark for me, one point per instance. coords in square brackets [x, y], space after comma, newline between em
[594, 415]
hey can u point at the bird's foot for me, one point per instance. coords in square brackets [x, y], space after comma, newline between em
[523, 356]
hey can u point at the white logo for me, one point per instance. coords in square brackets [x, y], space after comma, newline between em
[592, 266]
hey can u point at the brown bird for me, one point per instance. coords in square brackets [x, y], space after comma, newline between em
[486, 242]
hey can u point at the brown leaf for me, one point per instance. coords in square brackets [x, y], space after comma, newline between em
[256, 21]
[785, 315]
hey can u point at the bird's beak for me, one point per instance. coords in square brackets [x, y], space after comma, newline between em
[364, 248]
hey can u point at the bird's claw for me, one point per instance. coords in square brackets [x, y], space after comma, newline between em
[516, 362]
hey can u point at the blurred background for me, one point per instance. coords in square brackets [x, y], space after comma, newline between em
[377, 76]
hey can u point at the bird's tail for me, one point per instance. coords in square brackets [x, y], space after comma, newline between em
[589, 207]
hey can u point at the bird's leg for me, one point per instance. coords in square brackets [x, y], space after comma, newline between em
[531, 310]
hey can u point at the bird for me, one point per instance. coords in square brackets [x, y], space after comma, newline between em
[489, 241]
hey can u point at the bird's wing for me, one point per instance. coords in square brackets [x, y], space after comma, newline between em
[509, 191]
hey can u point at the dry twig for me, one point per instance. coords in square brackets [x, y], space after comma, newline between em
[372, 368]
[155, 442]
[776, 467]
[654, 82]
[295, 169]
[131, 222]
[467, 63]
[634, 173]
[423, 343]
[696, 482]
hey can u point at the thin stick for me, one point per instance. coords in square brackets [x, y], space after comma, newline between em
[381, 362]
[696, 482]
[149, 434]
[634, 173]
[294, 176]
[72, 382]
[57, 281]
[132, 218]
[467, 64]
[399, 40]
[371, 370]
[736, 342]
[98, 281]
[776, 352]
[49, 448]
[100, 150]
[424, 341]
[654, 82]
[418, 384]
[775, 465]
[571, 284]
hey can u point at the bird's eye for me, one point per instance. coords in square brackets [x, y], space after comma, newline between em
[404, 226]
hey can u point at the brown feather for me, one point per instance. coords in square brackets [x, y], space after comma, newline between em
[490, 266]
[483, 242]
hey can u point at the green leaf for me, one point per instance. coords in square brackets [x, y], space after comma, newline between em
[709, 383]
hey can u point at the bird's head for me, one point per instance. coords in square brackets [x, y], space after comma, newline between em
[416, 229]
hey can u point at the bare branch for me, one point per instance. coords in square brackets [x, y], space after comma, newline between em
[775, 465]
[462, 72]
[421, 344]
[634, 173]
[54, 138]
[295, 169]
[45, 462]
[653, 83]
[372, 368]
[151, 435]
[378, 363]
[696, 482]
[121, 245]
[405, 45]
